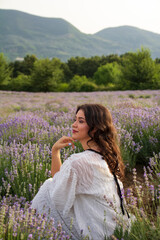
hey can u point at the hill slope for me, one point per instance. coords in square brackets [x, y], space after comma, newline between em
[132, 38]
[22, 33]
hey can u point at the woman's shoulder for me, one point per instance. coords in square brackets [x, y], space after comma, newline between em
[84, 156]
[78, 158]
[75, 162]
[75, 156]
[87, 161]
[87, 158]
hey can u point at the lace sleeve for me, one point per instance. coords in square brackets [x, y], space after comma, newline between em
[64, 188]
[74, 177]
[84, 172]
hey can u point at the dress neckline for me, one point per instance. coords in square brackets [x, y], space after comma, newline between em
[94, 151]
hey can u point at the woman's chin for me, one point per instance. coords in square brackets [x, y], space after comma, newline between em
[74, 137]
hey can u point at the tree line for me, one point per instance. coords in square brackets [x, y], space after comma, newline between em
[130, 71]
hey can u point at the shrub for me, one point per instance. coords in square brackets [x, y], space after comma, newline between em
[76, 83]
[62, 87]
[21, 83]
[88, 87]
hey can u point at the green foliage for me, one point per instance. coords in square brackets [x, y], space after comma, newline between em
[157, 60]
[74, 64]
[109, 73]
[106, 73]
[76, 83]
[46, 75]
[88, 87]
[131, 96]
[142, 228]
[20, 83]
[138, 70]
[25, 66]
[89, 66]
[5, 71]
[81, 84]
[156, 78]
[62, 87]
[67, 73]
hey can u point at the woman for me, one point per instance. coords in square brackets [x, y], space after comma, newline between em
[82, 191]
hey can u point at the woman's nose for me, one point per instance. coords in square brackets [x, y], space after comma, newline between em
[74, 124]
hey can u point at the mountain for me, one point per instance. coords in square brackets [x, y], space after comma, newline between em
[22, 34]
[132, 38]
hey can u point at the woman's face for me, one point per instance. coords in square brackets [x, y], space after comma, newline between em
[80, 128]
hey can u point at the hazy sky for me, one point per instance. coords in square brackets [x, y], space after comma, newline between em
[91, 16]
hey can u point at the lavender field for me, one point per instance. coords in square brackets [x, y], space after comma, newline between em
[30, 123]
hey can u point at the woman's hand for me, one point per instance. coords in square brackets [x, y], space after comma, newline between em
[63, 142]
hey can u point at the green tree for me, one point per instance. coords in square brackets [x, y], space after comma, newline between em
[156, 79]
[138, 70]
[157, 60]
[28, 64]
[74, 64]
[76, 83]
[5, 72]
[17, 68]
[88, 87]
[108, 74]
[84, 66]
[67, 73]
[21, 83]
[23, 67]
[111, 58]
[89, 66]
[46, 75]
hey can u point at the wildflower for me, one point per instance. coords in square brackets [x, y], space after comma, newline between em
[134, 175]
[158, 175]
[114, 238]
[30, 187]
[129, 192]
[152, 191]
[30, 236]
[146, 177]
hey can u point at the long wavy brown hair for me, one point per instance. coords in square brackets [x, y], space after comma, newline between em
[104, 134]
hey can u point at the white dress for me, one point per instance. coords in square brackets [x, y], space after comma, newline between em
[82, 190]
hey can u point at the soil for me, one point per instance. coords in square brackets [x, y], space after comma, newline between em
[128, 181]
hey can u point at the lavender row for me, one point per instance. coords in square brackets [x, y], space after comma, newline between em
[19, 221]
[138, 129]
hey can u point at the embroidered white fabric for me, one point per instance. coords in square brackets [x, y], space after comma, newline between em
[78, 191]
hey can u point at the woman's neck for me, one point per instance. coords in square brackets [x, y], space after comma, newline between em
[91, 145]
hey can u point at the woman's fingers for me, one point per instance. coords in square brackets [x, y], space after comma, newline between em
[69, 141]
[71, 144]
[64, 142]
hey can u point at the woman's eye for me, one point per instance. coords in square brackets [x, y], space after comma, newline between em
[81, 121]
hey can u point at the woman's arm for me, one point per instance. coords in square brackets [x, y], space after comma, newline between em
[56, 160]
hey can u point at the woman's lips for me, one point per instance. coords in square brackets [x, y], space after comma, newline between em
[74, 131]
